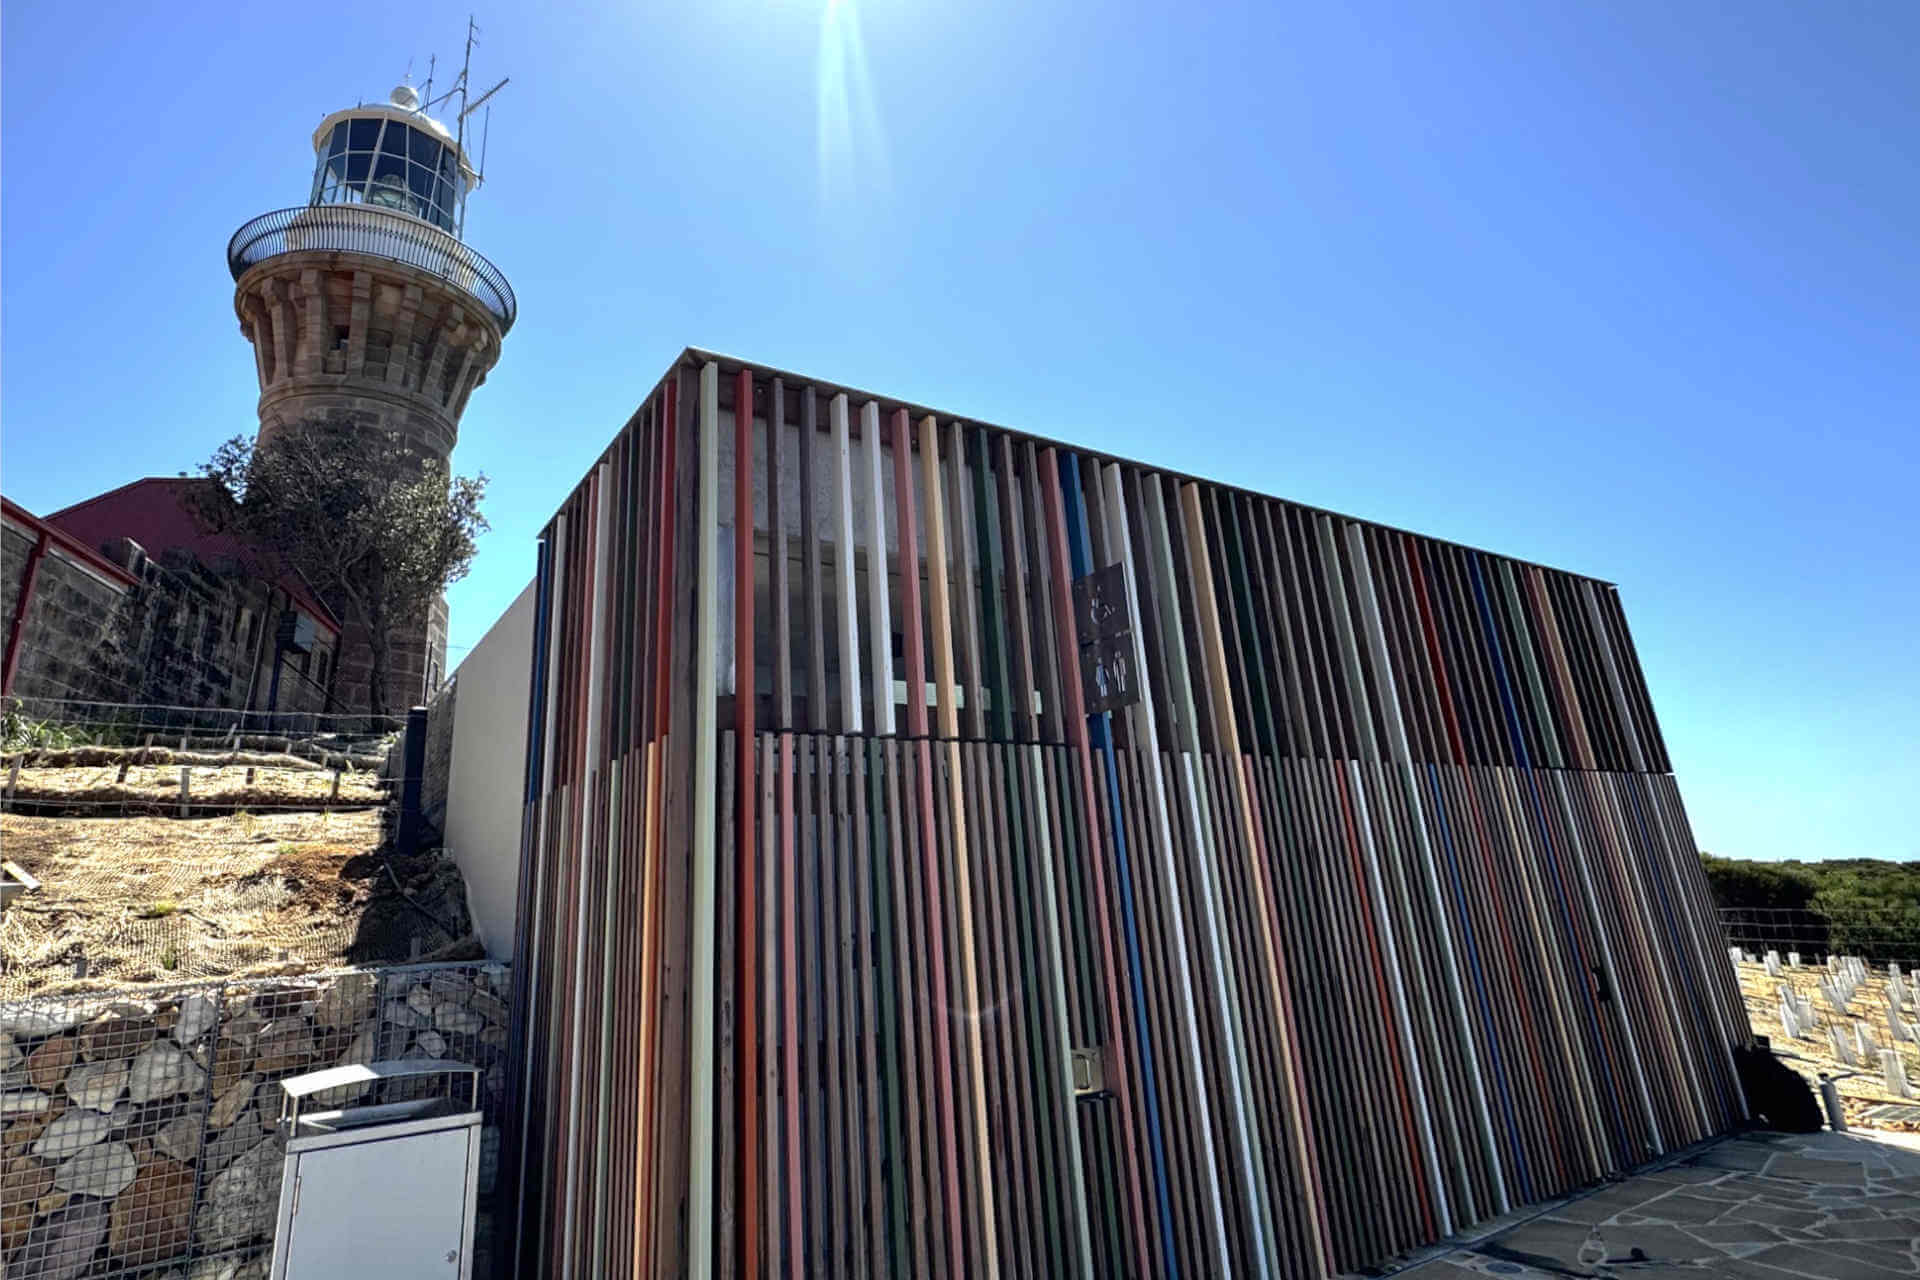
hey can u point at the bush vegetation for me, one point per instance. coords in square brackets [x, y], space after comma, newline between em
[1865, 906]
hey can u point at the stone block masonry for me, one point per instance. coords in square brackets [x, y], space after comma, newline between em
[182, 634]
[78, 630]
[439, 764]
[387, 345]
[138, 1129]
[416, 662]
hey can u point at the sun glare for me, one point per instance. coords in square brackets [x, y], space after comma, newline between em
[850, 147]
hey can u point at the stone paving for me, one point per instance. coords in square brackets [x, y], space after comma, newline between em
[1761, 1206]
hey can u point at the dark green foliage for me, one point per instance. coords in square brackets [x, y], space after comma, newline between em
[1758, 884]
[1856, 906]
[1851, 884]
[367, 519]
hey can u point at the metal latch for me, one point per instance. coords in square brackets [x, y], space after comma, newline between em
[1089, 1073]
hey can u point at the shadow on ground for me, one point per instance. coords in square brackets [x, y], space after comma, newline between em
[1761, 1206]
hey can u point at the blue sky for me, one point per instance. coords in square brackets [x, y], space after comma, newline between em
[1631, 289]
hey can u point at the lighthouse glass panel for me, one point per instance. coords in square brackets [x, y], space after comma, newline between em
[389, 165]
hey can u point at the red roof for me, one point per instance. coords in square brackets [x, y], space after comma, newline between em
[154, 513]
[67, 543]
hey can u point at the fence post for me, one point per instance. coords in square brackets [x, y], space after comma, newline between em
[413, 771]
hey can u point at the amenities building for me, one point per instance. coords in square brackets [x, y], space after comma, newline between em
[948, 851]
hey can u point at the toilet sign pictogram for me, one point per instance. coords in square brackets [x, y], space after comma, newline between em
[1102, 621]
[1100, 604]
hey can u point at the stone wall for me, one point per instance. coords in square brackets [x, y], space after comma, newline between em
[79, 637]
[386, 347]
[140, 1129]
[14, 549]
[199, 633]
[439, 763]
[390, 345]
[185, 634]
[416, 661]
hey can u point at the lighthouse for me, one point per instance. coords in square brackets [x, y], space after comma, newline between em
[365, 304]
[365, 301]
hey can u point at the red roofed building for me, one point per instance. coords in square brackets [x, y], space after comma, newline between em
[127, 598]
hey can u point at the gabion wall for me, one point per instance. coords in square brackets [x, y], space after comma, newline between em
[140, 1129]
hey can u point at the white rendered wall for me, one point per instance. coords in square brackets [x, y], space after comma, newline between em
[486, 779]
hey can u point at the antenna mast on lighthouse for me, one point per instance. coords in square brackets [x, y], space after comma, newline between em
[467, 108]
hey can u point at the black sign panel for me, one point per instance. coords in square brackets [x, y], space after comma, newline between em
[1100, 604]
[1109, 680]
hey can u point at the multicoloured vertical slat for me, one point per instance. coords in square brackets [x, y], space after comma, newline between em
[852, 944]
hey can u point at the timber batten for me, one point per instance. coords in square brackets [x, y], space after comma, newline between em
[1375, 914]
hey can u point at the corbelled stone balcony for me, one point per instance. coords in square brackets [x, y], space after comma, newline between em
[377, 233]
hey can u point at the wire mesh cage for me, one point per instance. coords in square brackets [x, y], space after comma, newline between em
[142, 1133]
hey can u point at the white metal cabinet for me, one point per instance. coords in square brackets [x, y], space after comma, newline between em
[378, 1191]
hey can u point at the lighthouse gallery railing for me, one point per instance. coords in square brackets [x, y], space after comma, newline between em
[379, 233]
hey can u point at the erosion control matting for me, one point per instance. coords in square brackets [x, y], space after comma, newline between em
[124, 787]
[147, 899]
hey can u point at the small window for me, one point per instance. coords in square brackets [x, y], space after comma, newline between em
[420, 181]
[443, 203]
[425, 148]
[363, 134]
[339, 141]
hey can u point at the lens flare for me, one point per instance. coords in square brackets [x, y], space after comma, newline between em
[850, 148]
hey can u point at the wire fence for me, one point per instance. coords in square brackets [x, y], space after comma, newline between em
[1879, 936]
[127, 723]
[142, 1129]
[97, 759]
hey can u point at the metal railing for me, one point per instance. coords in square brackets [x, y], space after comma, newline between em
[379, 233]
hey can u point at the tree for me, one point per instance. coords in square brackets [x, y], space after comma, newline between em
[1764, 885]
[367, 520]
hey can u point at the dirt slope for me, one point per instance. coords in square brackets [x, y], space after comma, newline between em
[147, 899]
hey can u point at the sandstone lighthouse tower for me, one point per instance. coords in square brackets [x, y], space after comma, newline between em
[366, 304]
